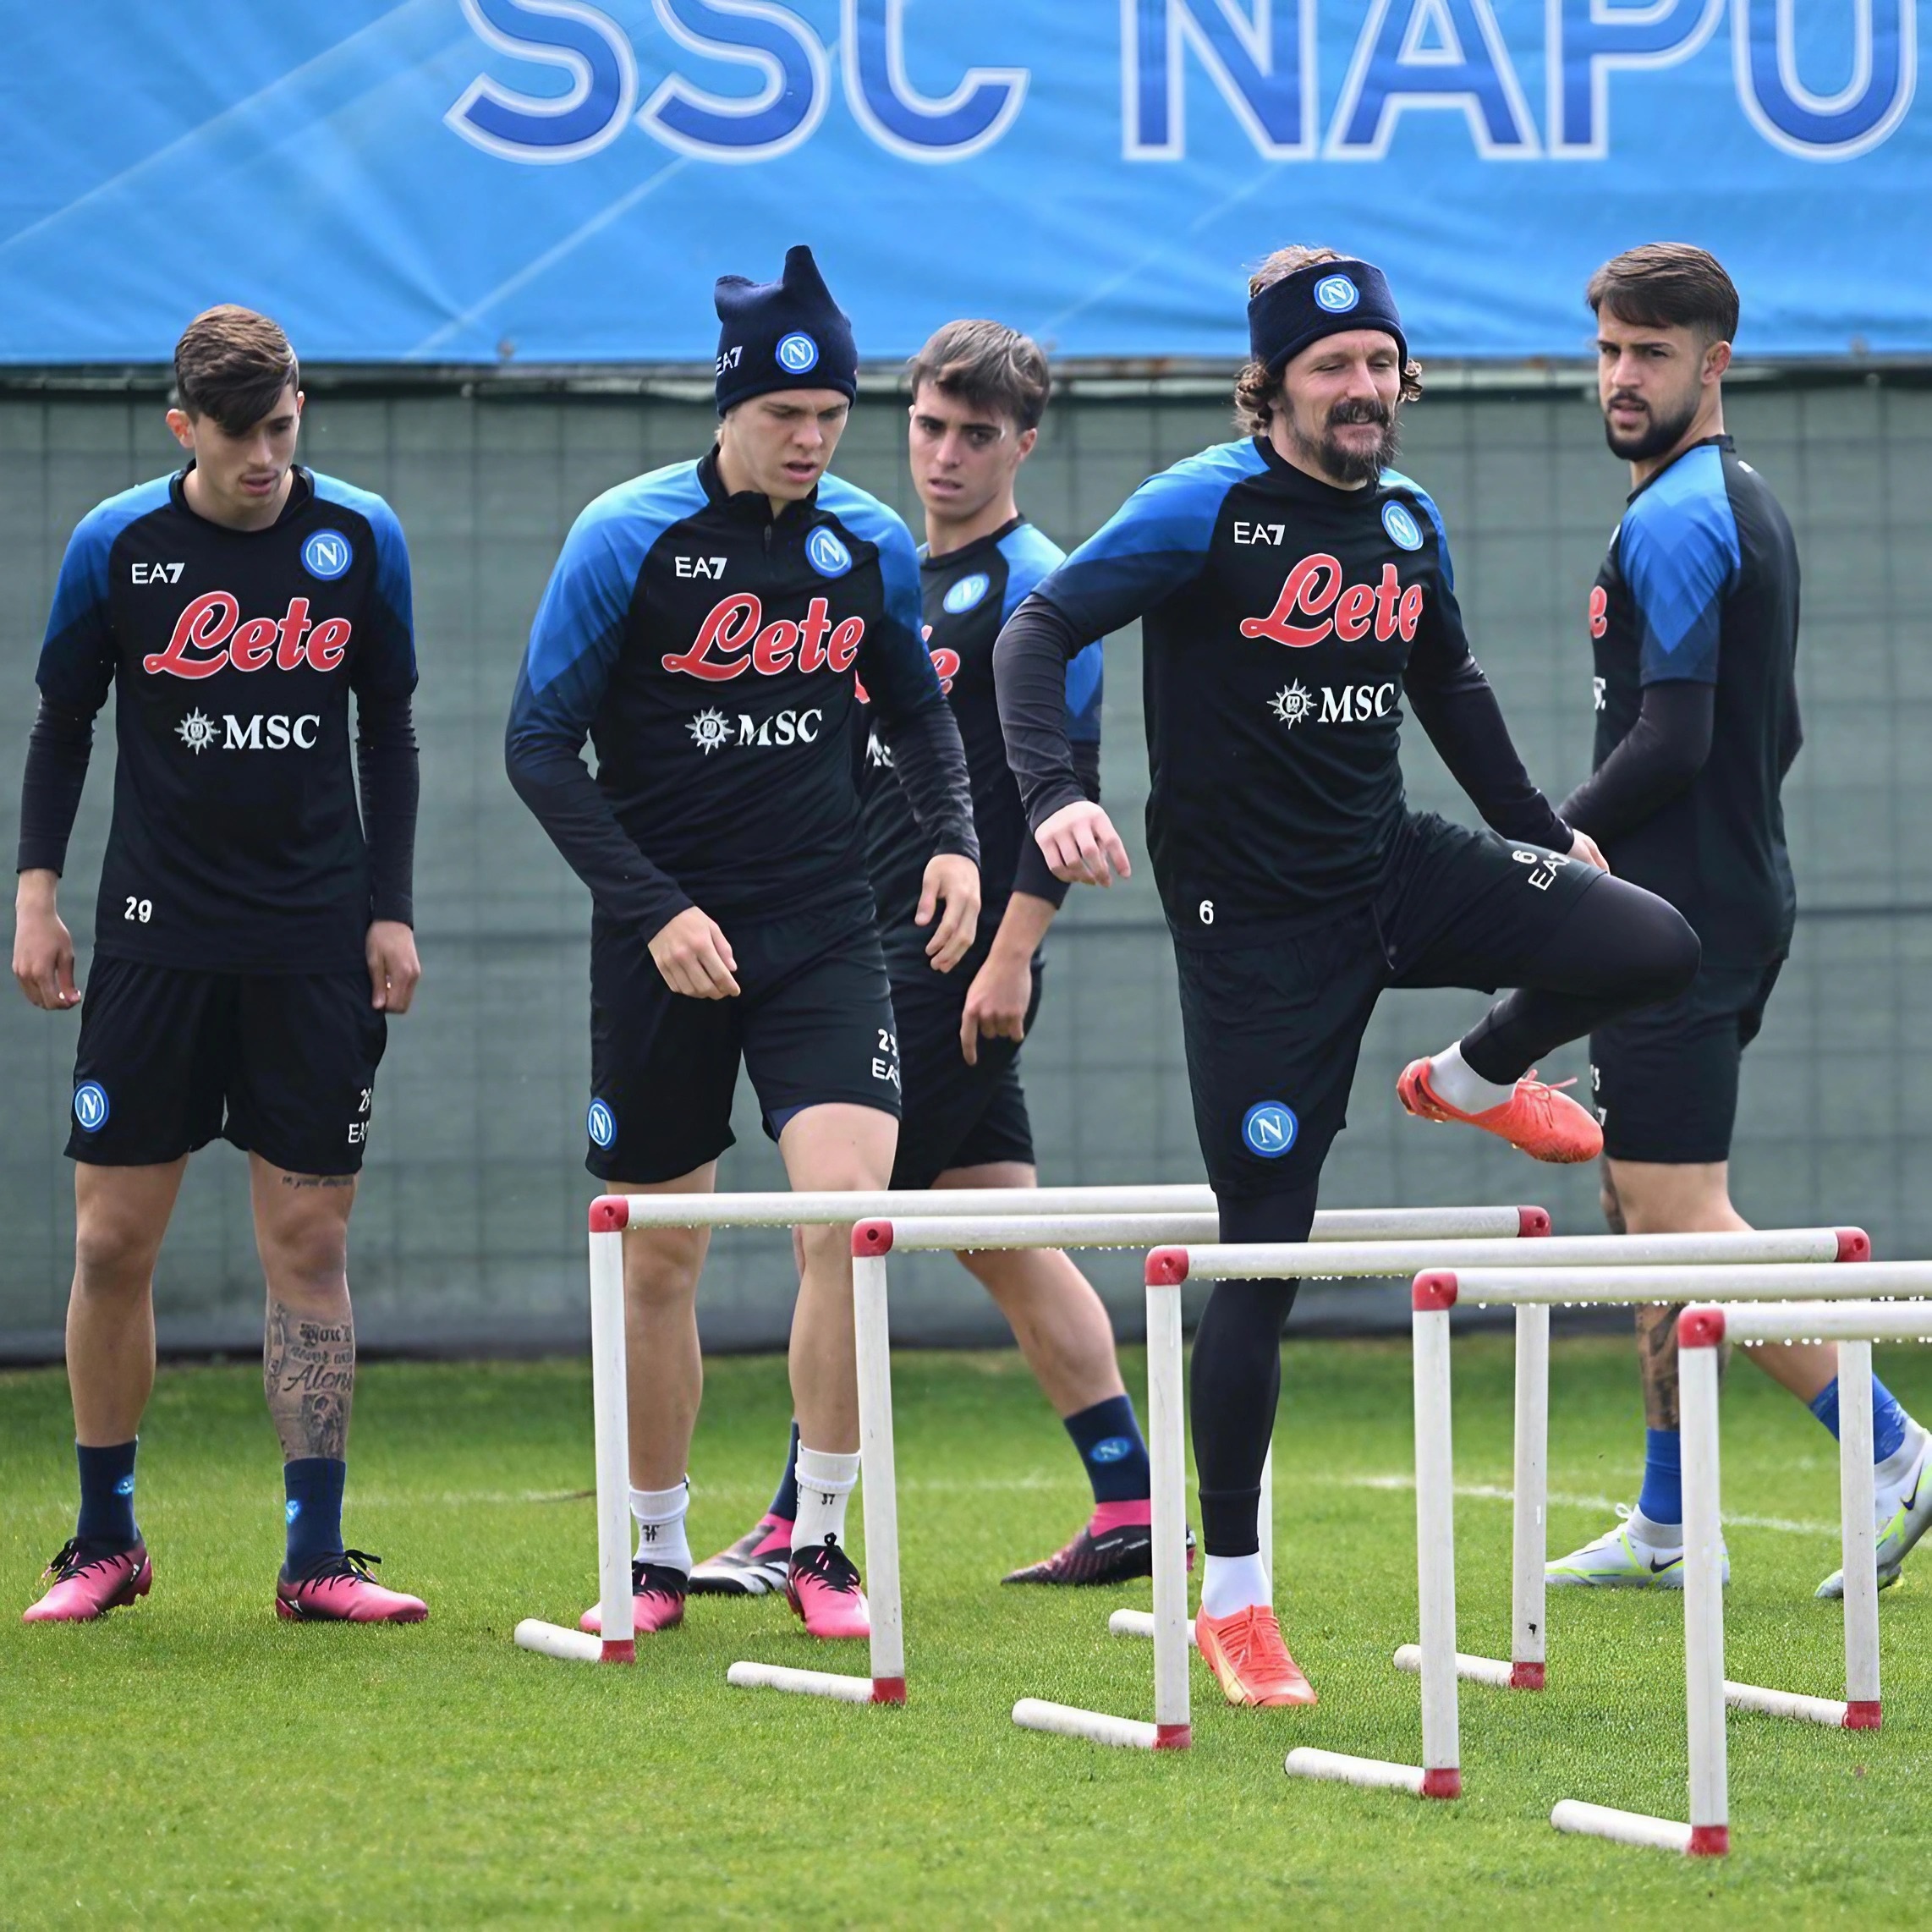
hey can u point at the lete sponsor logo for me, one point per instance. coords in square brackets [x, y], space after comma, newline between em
[734, 638]
[211, 635]
[1314, 589]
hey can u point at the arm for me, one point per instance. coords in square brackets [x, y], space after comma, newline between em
[1662, 753]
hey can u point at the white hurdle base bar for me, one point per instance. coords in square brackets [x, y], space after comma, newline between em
[1639, 1828]
[817, 1683]
[1098, 1727]
[1834, 1712]
[570, 1646]
[1138, 1623]
[1377, 1774]
[1499, 1673]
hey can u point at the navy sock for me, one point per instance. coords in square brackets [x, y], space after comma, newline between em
[1108, 1438]
[108, 1497]
[1662, 1497]
[314, 1485]
[785, 1503]
[1888, 1418]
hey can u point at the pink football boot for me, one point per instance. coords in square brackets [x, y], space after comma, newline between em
[656, 1603]
[822, 1585]
[88, 1587]
[342, 1591]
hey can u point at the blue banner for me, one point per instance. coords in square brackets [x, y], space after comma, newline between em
[548, 181]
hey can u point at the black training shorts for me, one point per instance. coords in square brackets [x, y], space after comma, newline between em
[956, 1116]
[1273, 1029]
[282, 1064]
[812, 1022]
[1665, 1079]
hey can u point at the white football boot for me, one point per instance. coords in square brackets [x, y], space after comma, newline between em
[1902, 1503]
[1637, 1555]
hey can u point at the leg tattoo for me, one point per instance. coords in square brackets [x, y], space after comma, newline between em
[308, 1369]
[1657, 1360]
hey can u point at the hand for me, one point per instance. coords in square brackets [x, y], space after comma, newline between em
[694, 956]
[390, 948]
[43, 947]
[1081, 845]
[956, 882]
[995, 1003]
[1583, 847]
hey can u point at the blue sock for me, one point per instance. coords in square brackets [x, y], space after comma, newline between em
[1888, 1418]
[1108, 1438]
[108, 1497]
[1662, 1497]
[314, 1485]
[785, 1504]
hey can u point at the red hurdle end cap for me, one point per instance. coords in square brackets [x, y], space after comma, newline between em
[1532, 1221]
[1166, 1267]
[1434, 1289]
[1445, 1782]
[610, 1214]
[1709, 1840]
[1526, 1677]
[617, 1652]
[1700, 1328]
[888, 1690]
[1854, 1244]
[1173, 1737]
[1862, 1714]
[871, 1237]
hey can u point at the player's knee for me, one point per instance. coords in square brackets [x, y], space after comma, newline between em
[112, 1255]
[307, 1265]
[661, 1266]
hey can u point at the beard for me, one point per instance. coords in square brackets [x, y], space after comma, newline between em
[1660, 431]
[1350, 467]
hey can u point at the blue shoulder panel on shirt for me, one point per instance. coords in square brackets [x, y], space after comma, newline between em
[879, 524]
[1679, 553]
[392, 553]
[1395, 479]
[82, 585]
[1031, 555]
[583, 612]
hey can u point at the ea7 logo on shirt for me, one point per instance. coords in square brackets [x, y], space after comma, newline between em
[734, 638]
[210, 636]
[711, 566]
[1314, 589]
[1245, 533]
[157, 572]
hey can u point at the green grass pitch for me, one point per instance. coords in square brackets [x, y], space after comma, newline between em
[192, 1760]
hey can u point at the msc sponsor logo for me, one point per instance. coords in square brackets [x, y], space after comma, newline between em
[798, 353]
[1403, 530]
[966, 593]
[1352, 611]
[1336, 294]
[211, 635]
[601, 1123]
[734, 638]
[1269, 1127]
[712, 731]
[826, 554]
[90, 1108]
[1343, 703]
[273, 731]
[327, 555]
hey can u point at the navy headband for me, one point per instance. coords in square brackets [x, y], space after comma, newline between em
[1320, 300]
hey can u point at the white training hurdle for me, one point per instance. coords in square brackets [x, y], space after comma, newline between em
[1854, 1325]
[1556, 1270]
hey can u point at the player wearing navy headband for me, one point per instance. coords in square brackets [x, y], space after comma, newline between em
[1293, 589]
[978, 392]
[1694, 625]
[252, 933]
[705, 626]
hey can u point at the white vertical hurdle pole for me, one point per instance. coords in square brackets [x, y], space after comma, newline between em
[611, 1407]
[1529, 1529]
[1858, 1536]
[1166, 1425]
[880, 1476]
[1436, 1544]
[1699, 1336]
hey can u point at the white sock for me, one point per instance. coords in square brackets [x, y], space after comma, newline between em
[1451, 1079]
[1230, 1583]
[660, 1518]
[1898, 1466]
[825, 1482]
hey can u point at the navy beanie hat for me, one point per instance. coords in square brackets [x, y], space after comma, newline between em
[787, 334]
[1322, 299]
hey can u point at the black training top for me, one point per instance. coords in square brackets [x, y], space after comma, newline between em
[1700, 589]
[968, 594]
[1284, 620]
[710, 652]
[235, 845]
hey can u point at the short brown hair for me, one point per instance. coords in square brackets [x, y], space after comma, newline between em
[987, 364]
[1667, 285]
[233, 364]
[1255, 391]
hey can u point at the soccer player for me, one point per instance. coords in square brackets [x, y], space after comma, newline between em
[1293, 589]
[704, 626]
[1694, 624]
[252, 933]
[978, 392]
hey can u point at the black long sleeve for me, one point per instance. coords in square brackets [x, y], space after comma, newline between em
[1455, 706]
[931, 762]
[1030, 677]
[57, 750]
[385, 766]
[1032, 875]
[1657, 759]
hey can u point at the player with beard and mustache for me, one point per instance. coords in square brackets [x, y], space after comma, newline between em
[1292, 590]
[1693, 624]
